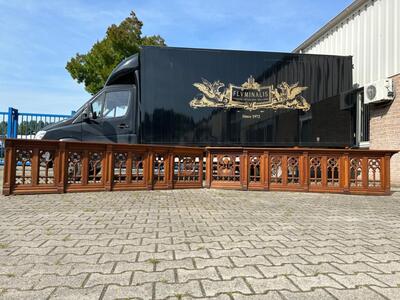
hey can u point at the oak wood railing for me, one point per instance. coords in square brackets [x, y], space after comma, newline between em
[33, 166]
[353, 171]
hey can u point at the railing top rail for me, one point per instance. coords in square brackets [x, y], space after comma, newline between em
[300, 149]
[11, 141]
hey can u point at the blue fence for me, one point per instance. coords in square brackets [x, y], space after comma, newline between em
[14, 124]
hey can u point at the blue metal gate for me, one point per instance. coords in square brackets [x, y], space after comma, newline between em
[14, 124]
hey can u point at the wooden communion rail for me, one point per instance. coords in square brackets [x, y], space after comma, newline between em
[33, 167]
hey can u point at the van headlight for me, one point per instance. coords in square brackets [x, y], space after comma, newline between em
[40, 134]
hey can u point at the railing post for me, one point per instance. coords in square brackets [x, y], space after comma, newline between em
[61, 168]
[364, 165]
[208, 169]
[150, 170]
[386, 173]
[346, 172]
[201, 169]
[9, 168]
[35, 166]
[244, 170]
[324, 170]
[109, 168]
[129, 168]
[85, 167]
[265, 168]
[305, 171]
[284, 167]
[170, 169]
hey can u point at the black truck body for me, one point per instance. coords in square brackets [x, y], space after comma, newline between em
[202, 97]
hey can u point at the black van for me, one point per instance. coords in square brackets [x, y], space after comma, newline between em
[109, 116]
[203, 97]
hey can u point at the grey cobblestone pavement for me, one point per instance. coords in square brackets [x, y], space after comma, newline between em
[200, 244]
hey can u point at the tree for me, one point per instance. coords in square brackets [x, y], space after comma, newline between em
[121, 41]
[31, 127]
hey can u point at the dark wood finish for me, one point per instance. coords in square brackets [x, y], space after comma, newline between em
[33, 167]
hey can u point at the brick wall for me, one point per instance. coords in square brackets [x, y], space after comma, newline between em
[385, 130]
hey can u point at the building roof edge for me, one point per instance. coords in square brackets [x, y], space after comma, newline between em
[332, 23]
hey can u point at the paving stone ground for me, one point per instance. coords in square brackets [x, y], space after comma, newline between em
[200, 244]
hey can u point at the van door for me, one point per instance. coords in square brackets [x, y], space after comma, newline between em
[118, 115]
[92, 126]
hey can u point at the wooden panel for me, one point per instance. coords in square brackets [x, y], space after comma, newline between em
[256, 171]
[226, 170]
[187, 171]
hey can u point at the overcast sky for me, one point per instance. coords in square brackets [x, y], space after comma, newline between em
[38, 37]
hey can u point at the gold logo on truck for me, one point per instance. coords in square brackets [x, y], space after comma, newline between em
[250, 96]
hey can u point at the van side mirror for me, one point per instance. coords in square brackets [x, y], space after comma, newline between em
[94, 115]
[85, 115]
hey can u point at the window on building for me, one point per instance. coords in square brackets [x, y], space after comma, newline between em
[364, 116]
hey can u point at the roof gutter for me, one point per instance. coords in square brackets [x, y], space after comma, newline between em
[332, 23]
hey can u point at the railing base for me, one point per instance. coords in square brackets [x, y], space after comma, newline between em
[355, 193]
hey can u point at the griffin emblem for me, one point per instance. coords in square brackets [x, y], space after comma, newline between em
[216, 94]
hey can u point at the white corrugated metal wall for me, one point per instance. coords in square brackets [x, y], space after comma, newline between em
[371, 34]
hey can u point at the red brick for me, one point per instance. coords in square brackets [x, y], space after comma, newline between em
[385, 130]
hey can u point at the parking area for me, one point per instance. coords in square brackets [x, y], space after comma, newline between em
[203, 244]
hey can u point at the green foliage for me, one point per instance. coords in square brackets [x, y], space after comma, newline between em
[30, 127]
[121, 41]
[3, 128]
